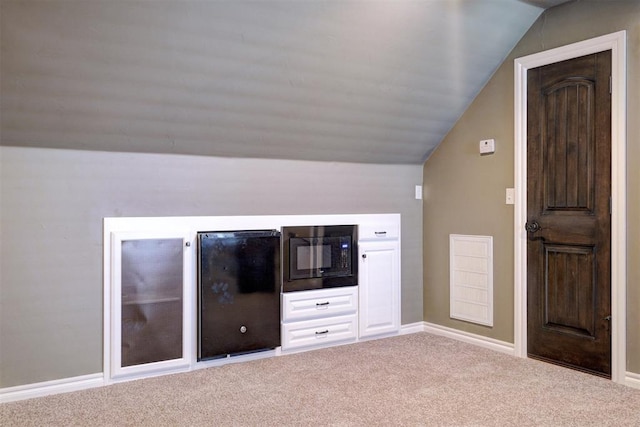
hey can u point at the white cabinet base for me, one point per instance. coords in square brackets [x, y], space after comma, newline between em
[319, 317]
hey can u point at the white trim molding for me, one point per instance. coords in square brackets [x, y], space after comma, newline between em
[65, 385]
[616, 42]
[412, 328]
[632, 380]
[468, 337]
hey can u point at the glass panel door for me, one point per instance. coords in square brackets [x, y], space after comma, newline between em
[150, 308]
[151, 300]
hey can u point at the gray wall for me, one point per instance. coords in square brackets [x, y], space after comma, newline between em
[51, 207]
[465, 192]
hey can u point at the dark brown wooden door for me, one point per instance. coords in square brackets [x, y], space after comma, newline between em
[568, 213]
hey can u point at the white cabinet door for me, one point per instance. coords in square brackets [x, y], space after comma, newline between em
[379, 301]
[150, 328]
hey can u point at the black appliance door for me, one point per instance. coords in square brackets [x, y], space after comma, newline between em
[239, 292]
[320, 257]
[317, 257]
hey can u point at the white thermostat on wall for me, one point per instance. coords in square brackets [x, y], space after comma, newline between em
[487, 146]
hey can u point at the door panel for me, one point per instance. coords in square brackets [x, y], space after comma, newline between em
[570, 290]
[569, 146]
[151, 300]
[568, 217]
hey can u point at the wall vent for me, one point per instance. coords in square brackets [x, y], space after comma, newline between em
[471, 278]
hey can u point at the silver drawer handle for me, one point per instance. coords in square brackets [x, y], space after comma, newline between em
[322, 304]
[380, 233]
[326, 331]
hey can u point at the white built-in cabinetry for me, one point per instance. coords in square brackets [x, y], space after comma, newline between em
[379, 279]
[150, 301]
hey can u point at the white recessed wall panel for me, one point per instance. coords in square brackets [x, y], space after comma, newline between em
[471, 278]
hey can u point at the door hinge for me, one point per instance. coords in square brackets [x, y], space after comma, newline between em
[610, 206]
[610, 85]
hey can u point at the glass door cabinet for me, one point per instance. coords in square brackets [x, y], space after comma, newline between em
[148, 303]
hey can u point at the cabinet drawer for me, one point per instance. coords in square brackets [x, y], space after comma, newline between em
[384, 230]
[319, 303]
[318, 332]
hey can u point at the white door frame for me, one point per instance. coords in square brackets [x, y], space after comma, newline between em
[616, 42]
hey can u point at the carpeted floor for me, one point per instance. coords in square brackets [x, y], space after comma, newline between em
[411, 380]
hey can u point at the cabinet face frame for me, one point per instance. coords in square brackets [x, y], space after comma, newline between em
[113, 348]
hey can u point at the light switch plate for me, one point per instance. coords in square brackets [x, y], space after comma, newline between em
[510, 196]
[487, 146]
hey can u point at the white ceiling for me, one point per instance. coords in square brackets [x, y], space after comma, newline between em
[354, 81]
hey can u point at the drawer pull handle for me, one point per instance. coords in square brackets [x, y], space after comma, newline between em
[322, 304]
[380, 233]
[326, 331]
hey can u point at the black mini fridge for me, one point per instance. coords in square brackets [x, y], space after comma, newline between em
[238, 292]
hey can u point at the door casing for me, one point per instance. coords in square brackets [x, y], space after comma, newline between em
[616, 42]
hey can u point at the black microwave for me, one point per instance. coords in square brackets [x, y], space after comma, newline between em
[316, 257]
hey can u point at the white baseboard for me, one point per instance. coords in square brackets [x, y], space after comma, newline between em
[632, 380]
[65, 385]
[479, 340]
[412, 328]
[28, 391]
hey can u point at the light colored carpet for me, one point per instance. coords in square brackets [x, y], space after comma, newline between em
[411, 380]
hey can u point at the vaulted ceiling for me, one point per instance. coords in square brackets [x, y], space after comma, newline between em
[353, 81]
